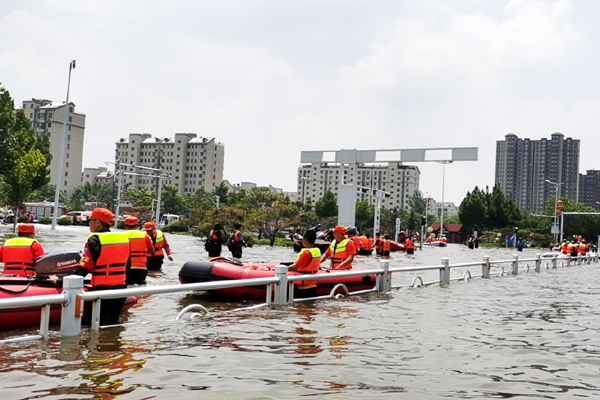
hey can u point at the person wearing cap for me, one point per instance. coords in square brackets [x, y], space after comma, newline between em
[154, 262]
[308, 262]
[341, 250]
[141, 246]
[19, 254]
[105, 256]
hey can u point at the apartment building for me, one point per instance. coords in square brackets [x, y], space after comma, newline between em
[399, 180]
[191, 162]
[47, 118]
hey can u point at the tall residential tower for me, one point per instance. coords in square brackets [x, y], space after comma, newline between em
[524, 165]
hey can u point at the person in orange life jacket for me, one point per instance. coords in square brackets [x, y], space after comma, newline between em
[386, 246]
[105, 256]
[154, 262]
[563, 247]
[352, 235]
[378, 242]
[410, 246]
[341, 250]
[582, 248]
[141, 247]
[308, 262]
[369, 242]
[214, 241]
[19, 254]
[574, 249]
[402, 237]
[236, 241]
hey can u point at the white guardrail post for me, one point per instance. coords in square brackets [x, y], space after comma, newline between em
[554, 261]
[515, 264]
[568, 260]
[578, 258]
[281, 287]
[445, 271]
[485, 267]
[72, 309]
[538, 262]
[385, 282]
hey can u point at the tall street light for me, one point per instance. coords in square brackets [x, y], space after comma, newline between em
[556, 194]
[62, 150]
[443, 183]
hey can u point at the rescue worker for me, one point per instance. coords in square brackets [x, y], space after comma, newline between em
[410, 246]
[19, 254]
[105, 257]
[402, 237]
[575, 249]
[582, 248]
[386, 246]
[141, 246]
[378, 242]
[369, 242]
[155, 262]
[308, 262]
[214, 241]
[351, 232]
[341, 250]
[236, 241]
[569, 248]
[563, 247]
[444, 239]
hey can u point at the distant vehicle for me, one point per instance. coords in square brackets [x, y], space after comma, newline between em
[80, 217]
[166, 219]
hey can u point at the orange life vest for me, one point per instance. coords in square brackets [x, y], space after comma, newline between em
[312, 268]
[564, 248]
[410, 244]
[339, 253]
[356, 241]
[581, 249]
[370, 244]
[18, 258]
[236, 238]
[377, 243]
[214, 237]
[110, 267]
[429, 239]
[569, 248]
[387, 245]
[158, 244]
[137, 241]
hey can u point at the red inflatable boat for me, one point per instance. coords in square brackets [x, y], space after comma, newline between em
[222, 269]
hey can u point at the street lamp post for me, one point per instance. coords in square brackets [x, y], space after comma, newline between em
[62, 149]
[443, 183]
[556, 194]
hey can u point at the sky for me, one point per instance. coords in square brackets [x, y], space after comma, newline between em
[272, 78]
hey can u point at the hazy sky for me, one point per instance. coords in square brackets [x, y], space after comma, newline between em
[272, 78]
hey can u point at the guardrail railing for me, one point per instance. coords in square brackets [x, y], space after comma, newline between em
[279, 288]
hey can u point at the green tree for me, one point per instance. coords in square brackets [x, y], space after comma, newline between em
[138, 197]
[364, 214]
[499, 209]
[274, 218]
[223, 192]
[173, 202]
[327, 207]
[473, 209]
[100, 195]
[46, 193]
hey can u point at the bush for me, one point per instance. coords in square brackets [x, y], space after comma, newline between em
[176, 226]
[46, 220]
[65, 221]
[23, 219]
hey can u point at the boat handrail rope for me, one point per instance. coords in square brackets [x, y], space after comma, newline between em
[279, 289]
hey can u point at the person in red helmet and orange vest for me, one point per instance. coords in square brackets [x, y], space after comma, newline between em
[386, 246]
[155, 262]
[105, 257]
[308, 262]
[582, 248]
[19, 254]
[341, 250]
[141, 246]
[378, 242]
[410, 246]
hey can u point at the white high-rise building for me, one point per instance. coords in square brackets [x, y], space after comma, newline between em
[192, 162]
[47, 118]
[401, 181]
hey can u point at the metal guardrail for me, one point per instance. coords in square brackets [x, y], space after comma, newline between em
[280, 288]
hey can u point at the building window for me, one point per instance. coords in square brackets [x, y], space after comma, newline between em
[65, 183]
[70, 119]
[70, 109]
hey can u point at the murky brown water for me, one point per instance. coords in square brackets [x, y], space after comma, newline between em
[531, 336]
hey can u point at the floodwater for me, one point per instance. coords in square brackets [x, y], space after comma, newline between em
[533, 336]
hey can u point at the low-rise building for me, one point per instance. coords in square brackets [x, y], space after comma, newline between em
[100, 175]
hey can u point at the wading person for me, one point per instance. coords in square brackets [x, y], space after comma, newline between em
[214, 241]
[105, 257]
[236, 242]
[159, 241]
[308, 262]
[141, 246]
[341, 250]
[19, 254]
